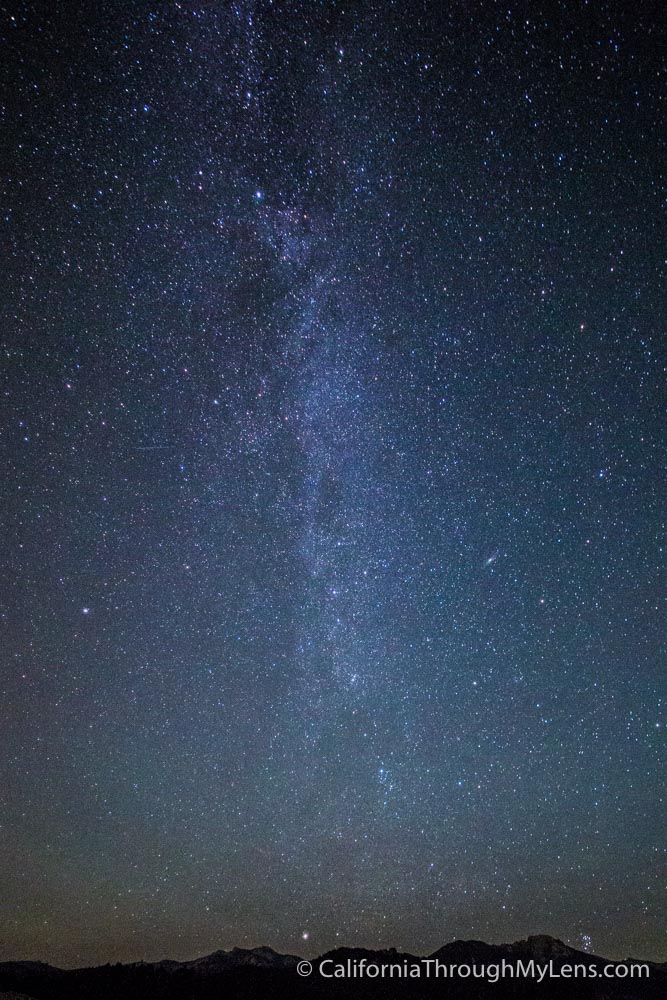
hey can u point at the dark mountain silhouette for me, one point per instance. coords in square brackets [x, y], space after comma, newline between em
[539, 947]
[261, 958]
[245, 973]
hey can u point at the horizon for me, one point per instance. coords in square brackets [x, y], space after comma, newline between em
[309, 952]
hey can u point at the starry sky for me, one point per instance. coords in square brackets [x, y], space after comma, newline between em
[331, 496]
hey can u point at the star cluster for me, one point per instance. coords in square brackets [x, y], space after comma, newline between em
[331, 514]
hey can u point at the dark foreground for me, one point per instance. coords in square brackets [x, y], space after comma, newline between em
[261, 972]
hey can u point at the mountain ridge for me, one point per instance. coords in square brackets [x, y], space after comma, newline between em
[247, 973]
[541, 947]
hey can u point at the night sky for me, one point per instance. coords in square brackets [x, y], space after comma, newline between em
[331, 496]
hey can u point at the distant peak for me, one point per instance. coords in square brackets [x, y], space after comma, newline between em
[543, 945]
[262, 949]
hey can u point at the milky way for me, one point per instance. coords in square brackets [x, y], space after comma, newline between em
[331, 503]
